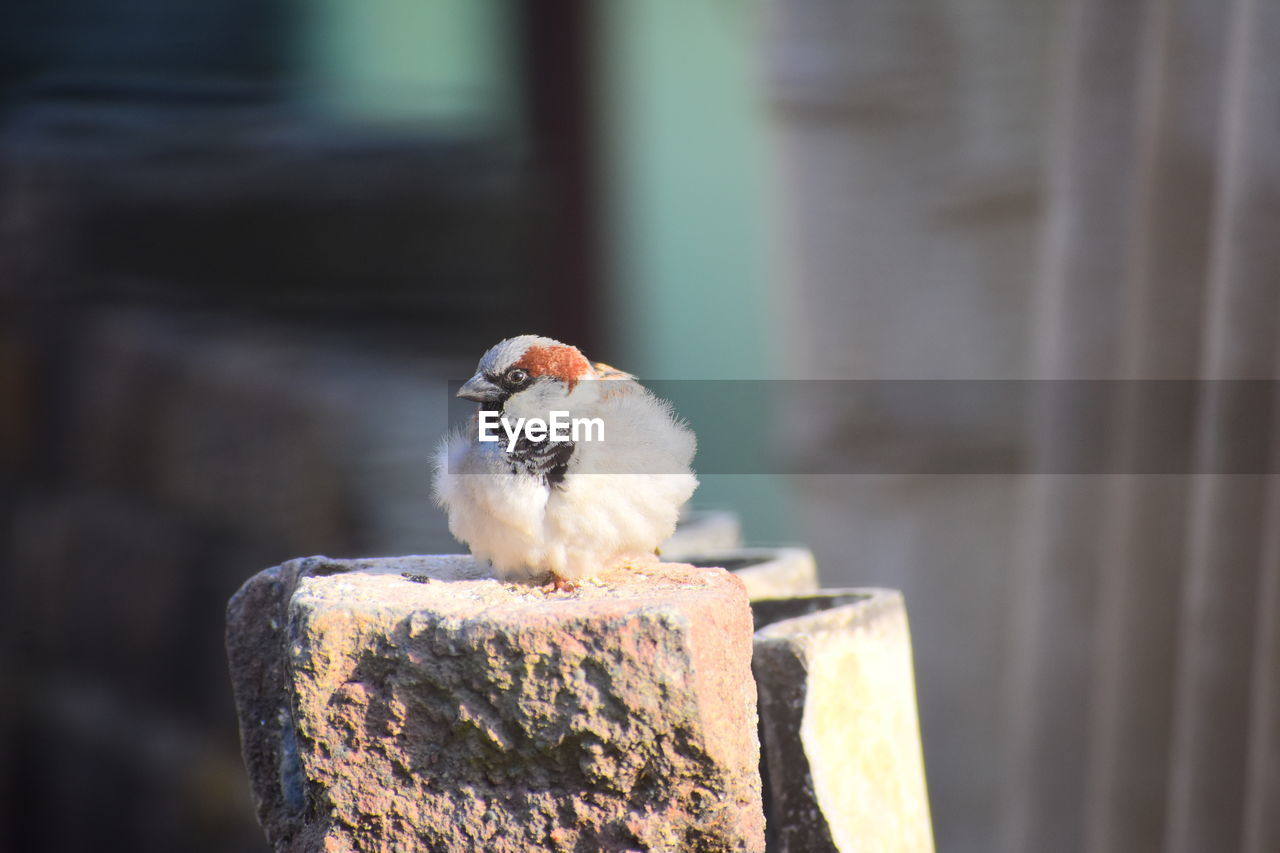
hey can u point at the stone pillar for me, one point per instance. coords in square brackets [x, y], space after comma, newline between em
[416, 703]
[843, 764]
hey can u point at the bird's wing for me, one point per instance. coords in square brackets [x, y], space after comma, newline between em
[623, 382]
[605, 371]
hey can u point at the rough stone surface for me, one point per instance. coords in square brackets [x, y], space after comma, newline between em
[416, 703]
[838, 714]
[766, 572]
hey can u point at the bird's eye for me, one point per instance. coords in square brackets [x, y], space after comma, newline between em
[517, 376]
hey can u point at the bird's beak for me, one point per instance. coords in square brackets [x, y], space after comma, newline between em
[479, 389]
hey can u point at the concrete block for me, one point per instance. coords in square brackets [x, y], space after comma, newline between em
[418, 703]
[767, 572]
[844, 767]
[703, 531]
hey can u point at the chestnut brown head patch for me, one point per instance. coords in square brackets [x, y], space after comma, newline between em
[563, 362]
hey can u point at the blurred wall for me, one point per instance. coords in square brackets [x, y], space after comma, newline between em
[1146, 704]
[909, 143]
[242, 251]
[690, 241]
[243, 246]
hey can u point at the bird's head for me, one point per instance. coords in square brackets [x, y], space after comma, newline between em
[530, 369]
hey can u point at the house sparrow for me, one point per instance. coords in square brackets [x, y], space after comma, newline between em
[579, 501]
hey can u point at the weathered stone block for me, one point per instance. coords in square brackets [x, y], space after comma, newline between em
[838, 715]
[767, 572]
[417, 703]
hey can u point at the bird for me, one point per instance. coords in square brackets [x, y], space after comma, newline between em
[576, 503]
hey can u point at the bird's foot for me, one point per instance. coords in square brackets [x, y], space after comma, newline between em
[559, 584]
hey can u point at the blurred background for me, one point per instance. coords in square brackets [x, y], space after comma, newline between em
[244, 245]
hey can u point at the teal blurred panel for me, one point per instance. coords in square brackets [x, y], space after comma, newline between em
[684, 148]
[444, 61]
